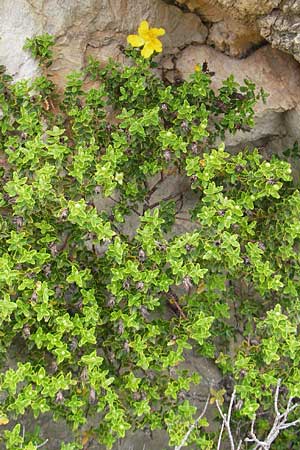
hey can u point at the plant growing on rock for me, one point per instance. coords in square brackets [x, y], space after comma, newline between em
[103, 312]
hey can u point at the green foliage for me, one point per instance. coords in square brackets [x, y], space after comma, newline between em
[105, 311]
[40, 48]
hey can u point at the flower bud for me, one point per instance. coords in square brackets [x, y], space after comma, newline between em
[53, 249]
[26, 331]
[239, 168]
[161, 247]
[184, 125]
[246, 260]
[167, 155]
[187, 283]
[194, 147]
[139, 285]
[126, 285]
[34, 296]
[64, 214]
[121, 328]
[47, 270]
[142, 255]
[111, 301]
[73, 344]
[59, 397]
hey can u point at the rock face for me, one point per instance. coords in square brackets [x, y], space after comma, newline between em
[17, 23]
[246, 23]
[85, 27]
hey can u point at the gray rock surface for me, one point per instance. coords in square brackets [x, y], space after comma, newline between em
[248, 22]
[16, 23]
[85, 27]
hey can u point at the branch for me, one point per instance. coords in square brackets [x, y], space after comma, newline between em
[42, 444]
[169, 197]
[226, 420]
[192, 427]
[280, 423]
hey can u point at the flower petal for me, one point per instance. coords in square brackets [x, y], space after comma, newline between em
[135, 40]
[156, 45]
[147, 50]
[158, 31]
[143, 28]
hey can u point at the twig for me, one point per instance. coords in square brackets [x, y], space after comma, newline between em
[220, 436]
[23, 437]
[173, 302]
[131, 207]
[154, 187]
[169, 197]
[43, 443]
[183, 218]
[279, 424]
[192, 427]
[276, 398]
[226, 419]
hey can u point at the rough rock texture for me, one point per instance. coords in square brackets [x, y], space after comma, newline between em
[282, 27]
[277, 21]
[234, 38]
[268, 68]
[16, 23]
[87, 26]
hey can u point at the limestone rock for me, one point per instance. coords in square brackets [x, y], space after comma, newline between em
[234, 38]
[14, 28]
[97, 27]
[282, 28]
[277, 21]
[268, 68]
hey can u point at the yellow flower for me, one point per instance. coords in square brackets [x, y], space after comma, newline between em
[197, 68]
[3, 420]
[147, 38]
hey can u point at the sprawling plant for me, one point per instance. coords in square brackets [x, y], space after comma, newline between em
[101, 296]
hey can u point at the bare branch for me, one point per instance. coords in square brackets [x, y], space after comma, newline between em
[276, 397]
[226, 419]
[280, 423]
[192, 427]
[220, 436]
[291, 424]
[42, 444]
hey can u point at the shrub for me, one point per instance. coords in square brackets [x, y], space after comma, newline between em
[99, 313]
